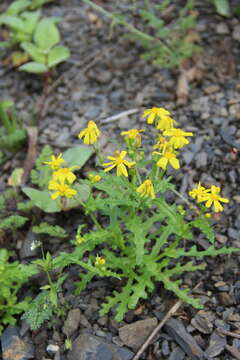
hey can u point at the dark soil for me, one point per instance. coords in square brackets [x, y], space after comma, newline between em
[106, 76]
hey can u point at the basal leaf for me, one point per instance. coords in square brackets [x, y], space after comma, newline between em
[17, 6]
[222, 7]
[57, 55]
[42, 199]
[34, 67]
[77, 155]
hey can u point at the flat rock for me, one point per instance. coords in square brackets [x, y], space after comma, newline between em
[90, 347]
[72, 322]
[203, 321]
[217, 344]
[13, 347]
[134, 335]
[188, 344]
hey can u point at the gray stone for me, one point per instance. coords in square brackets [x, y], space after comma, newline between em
[134, 335]
[89, 347]
[72, 322]
[14, 347]
[201, 159]
[188, 344]
[236, 32]
[92, 112]
[217, 344]
[28, 249]
[222, 28]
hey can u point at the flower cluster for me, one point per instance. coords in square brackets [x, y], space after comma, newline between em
[209, 196]
[62, 178]
[170, 138]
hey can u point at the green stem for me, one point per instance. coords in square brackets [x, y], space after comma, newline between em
[130, 27]
[92, 216]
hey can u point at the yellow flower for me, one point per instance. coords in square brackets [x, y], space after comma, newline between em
[162, 144]
[208, 215]
[119, 162]
[90, 133]
[168, 157]
[215, 199]
[56, 162]
[94, 178]
[63, 174]
[61, 188]
[155, 113]
[178, 137]
[146, 189]
[199, 193]
[99, 261]
[165, 123]
[133, 134]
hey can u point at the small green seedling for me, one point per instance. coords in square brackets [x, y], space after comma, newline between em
[12, 135]
[44, 49]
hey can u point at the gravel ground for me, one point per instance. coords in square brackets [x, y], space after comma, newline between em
[106, 76]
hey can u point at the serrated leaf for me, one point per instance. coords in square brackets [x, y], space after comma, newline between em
[222, 7]
[34, 67]
[46, 34]
[34, 52]
[42, 199]
[57, 55]
[205, 227]
[45, 228]
[77, 155]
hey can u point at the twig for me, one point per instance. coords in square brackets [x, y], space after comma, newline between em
[118, 116]
[173, 309]
[228, 333]
[31, 153]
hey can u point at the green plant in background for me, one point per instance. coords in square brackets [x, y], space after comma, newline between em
[13, 276]
[166, 44]
[12, 135]
[44, 49]
[222, 7]
[39, 38]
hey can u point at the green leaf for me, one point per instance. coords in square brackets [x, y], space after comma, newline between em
[13, 222]
[34, 67]
[17, 6]
[57, 55]
[34, 52]
[45, 228]
[30, 20]
[46, 34]
[77, 155]
[13, 22]
[42, 199]
[205, 227]
[222, 7]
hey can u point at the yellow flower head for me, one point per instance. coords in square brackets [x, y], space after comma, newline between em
[155, 113]
[168, 157]
[133, 134]
[146, 189]
[90, 133]
[178, 137]
[215, 199]
[55, 162]
[63, 174]
[94, 178]
[165, 123]
[61, 188]
[99, 261]
[118, 161]
[199, 193]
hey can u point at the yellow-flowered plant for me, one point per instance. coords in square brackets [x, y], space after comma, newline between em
[131, 230]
